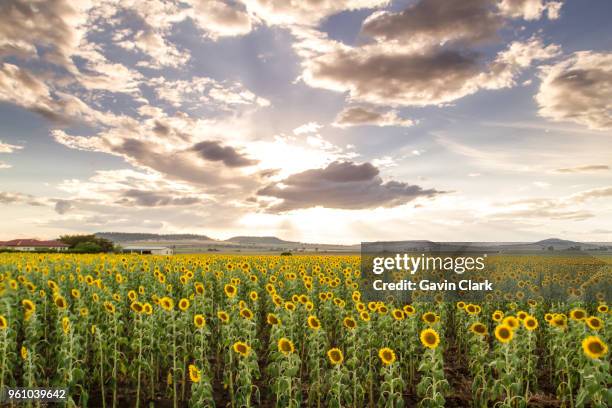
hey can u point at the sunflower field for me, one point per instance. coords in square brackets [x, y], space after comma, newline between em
[271, 331]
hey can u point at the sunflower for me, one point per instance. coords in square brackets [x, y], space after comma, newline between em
[594, 322]
[199, 321]
[272, 319]
[594, 347]
[386, 355]
[148, 309]
[23, 352]
[398, 314]
[289, 306]
[349, 323]
[511, 322]
[166, 303]
[246, 313]
[335, 356]
[253, 295]
[313, 322]
[109, 307]
[548, 317]
[471, 309]
[602, 308]
[28, 305]
[60, 302]
[132, 295]
[430, 338]
[183, 304]
[409, 310]
[578, 314]
[309, 306]
[460, 304]
[521, 315]
[498, 315]
[3, 323]
[430, 318]
[223, 316]
[504, 333]
[136, 306]
[478, 328]
[559, 320]
[83, 312]
[230, 290]
[372, 306]
[530, 323]
[66, 325]
[285, 346]
[241, 348]
[365, 316]
[194, 373]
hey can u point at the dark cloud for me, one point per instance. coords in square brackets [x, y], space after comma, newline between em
[343, 185]
[19, 198]
[155, 199]
[214, 151]
[437, 21]
[583, 169]
[358, 116]
[26, 25]
[63, 206]
[578, 89]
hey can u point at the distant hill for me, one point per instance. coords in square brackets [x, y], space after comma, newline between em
[557, 241]
[129, 236]
[259, 240]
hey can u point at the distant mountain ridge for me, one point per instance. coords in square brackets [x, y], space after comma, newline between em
[137, 236]
[259, 240]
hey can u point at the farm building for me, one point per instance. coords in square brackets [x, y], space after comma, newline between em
[148, 250]
[32, 245]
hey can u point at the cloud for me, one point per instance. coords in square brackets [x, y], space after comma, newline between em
[360, 116]
[214, 151]
[583, 169]
[432, 76]
[155, 199]
[4, 165]
[8, 148]
[344, 185]
[310, 127]
[530, 9]
[63, 206]
[305, 12]
[578, 89]
[202, 90]
[431, 22]
[19, 198]
[221, 18]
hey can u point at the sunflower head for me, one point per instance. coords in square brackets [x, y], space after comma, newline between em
[602, 308]
[194, 373]
[594, 347]
[430, 318]
[230, 290]
[504, 333]
[478, 328]
[511, 321]
[253, 295]
[60, 302]
[578, 314]
[430, 338]
[386, 355]
[241, 348]
[409, 310]
[166, 303]
[398, 314]
[285, 346]
[136, 306]
[223, 316]
[184, 304]
[349, 323]
[313, 322]
[335, 356]
[28, 305]
[199, 321]
[3, 323]
[498, 315]
[246, 313]
[594, 322]
[530, 323]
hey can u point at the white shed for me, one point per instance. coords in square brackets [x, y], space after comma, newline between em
[148, 250]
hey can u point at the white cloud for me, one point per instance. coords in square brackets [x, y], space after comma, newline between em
[8, 148]
[578, 89]
[310, 127]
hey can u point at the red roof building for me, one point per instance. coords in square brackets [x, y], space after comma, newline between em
[32, 244]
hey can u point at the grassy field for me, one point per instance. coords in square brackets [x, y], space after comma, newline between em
[239, 331]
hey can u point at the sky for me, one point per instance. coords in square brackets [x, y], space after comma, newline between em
[328, 121]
